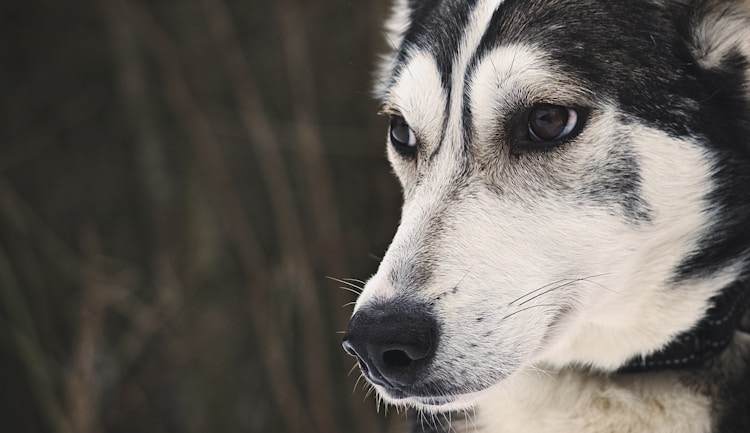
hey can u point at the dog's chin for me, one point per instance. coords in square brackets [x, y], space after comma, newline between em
[433, 404]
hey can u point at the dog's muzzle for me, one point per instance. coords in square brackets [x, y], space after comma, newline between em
[393, 342]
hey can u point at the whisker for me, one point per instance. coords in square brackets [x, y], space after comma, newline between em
[370, 390]
[466, 419]
[356, 383]
[426, 419]
[528, 308]
[351, 370]
[422, 419]
[436, 419]
[465, 274]
[354, 287]
[586, 279]
[566, 282]
[365, 384]
[449, 417]
[349, 289]
[536, 290]
[471, 418]
[354, 280]
[550, 290]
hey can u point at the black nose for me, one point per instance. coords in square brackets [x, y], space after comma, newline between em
[392, 341]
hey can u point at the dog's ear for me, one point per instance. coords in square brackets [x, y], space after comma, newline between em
[721, 33]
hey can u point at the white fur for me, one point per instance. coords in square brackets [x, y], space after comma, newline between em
[478, 24]
[545, 281]
[574, 401]
[641, 313]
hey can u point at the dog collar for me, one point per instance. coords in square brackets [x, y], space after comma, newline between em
[708, 338]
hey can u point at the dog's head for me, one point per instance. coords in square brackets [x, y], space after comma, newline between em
[575, 178]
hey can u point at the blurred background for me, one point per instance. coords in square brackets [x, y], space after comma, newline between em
[178, 180]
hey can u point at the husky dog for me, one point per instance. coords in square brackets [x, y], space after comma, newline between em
[574, 248]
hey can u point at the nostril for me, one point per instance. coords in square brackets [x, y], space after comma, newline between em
[396, 359]
[348, 348]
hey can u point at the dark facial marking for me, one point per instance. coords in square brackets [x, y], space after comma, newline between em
[637, 54]
[438, 28]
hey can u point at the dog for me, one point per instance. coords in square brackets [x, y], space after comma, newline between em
[573, 253]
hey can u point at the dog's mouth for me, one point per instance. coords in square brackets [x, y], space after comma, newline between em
[402, 352]
[431, 403]
[436, 400]
[431, 398]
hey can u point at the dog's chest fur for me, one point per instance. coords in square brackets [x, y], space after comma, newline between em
[574, 401]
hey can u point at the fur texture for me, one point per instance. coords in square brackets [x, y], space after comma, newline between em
[525, 273]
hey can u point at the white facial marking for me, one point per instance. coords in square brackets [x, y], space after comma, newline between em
[419, 96]
[639, 311]
[479, 22]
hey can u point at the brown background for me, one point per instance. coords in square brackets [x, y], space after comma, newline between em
[177, 179]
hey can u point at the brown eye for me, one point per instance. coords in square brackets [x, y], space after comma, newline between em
[402, 137]
[551, 122]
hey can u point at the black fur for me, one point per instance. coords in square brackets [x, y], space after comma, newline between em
[725, 122]
[437, 27]
[637, 53]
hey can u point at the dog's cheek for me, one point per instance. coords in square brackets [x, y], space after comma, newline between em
[405, 171]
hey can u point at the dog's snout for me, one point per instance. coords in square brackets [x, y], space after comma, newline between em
[392, 342]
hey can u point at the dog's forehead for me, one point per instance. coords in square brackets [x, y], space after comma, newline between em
[634, 52]
[594, 38]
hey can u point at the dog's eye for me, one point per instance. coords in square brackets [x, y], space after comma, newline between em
[402, 136]
[552, 123]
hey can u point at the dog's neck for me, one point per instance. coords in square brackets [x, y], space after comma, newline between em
[705, 340]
